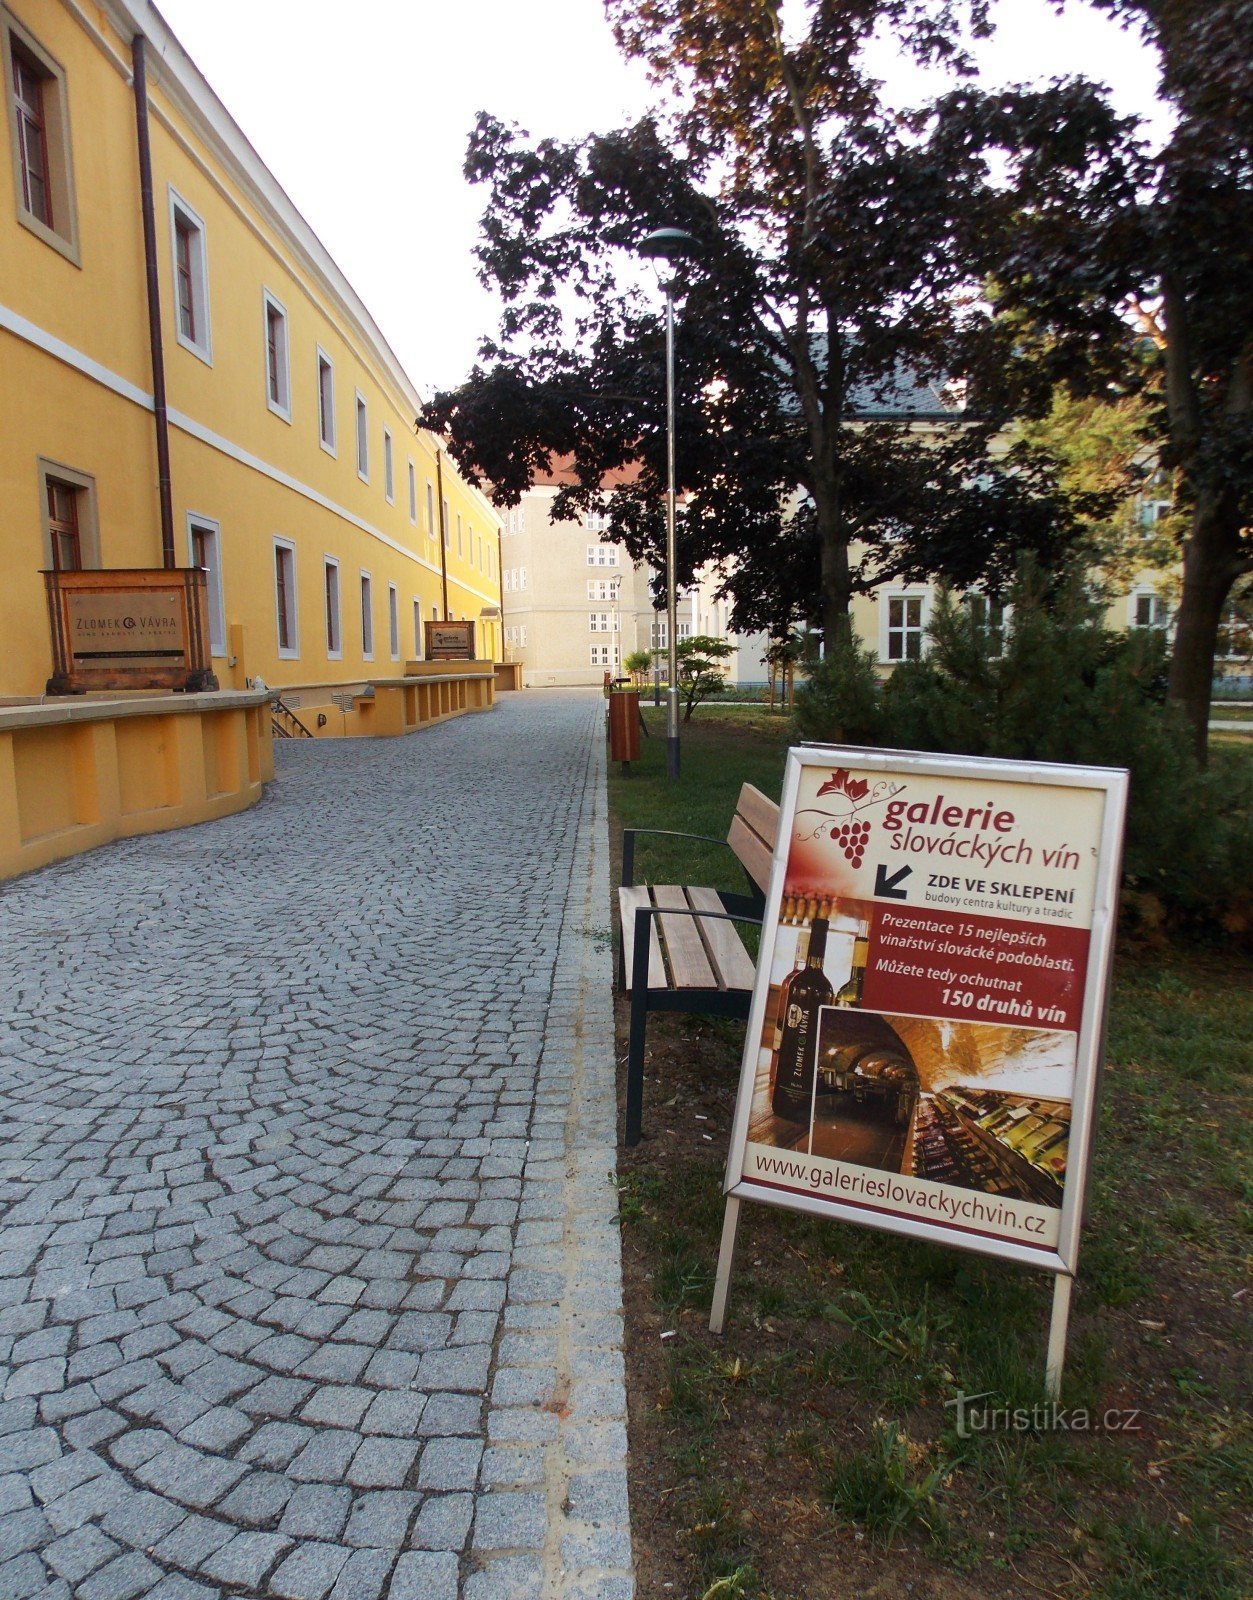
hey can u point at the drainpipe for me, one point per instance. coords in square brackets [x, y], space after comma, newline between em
[500, 586]
[140, 78]
[443, 532]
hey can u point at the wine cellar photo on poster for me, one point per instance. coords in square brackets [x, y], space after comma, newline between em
[978, 1105]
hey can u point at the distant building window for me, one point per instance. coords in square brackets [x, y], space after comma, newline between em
[334, 631]
[460, 548]
[191, 278]
[413, 495]
[447, 528]
[326, 402]
[277, 374]
[904, 627]
[389, 474]
[604, 655]
[685, 631]
[602, 555]
[39, 124]
[602, 588]
[659, 634]
[989, 618]
[363, 440]
[1148, 610]
[430, 510]
[515, 521]
[417, 629]
[367, 617]
[602, 621]
[596, 522]
[206, 553]
[393, 621]
[1151, 513]
[286, 617]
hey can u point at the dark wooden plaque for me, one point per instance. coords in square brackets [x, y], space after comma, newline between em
[129, 628]
[450, 641]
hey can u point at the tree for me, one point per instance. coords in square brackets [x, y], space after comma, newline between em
[700, 658]
[1094, 232]
[835, 278]
[638, 664]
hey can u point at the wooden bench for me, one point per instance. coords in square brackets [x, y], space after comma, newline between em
[678, 949]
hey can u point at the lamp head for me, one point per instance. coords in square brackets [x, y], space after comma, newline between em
[669, 244]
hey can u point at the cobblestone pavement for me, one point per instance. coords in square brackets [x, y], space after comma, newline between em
[309, 1272]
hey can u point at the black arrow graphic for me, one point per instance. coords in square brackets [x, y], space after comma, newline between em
[887, 887]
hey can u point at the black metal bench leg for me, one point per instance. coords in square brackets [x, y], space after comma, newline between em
[639, 1019]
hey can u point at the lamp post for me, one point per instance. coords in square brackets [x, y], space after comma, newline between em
[670, 244]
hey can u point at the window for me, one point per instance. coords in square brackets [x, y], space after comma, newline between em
[326, 402]
[367, 617]
[1151, 513]
[67, 502]
[988, 617]
[447, 527]
[460, 548]
[393, 621]
[604, 655]
[516, 637]
[430, 510]
[480, 561]
[1148, 610]
[904, 627]
[602, 621]
[596, 522]
[389, 474]
[413, 496]
[39, 129]
[363, 440]
[685, 631]
[659, 634]
[191, 279]
[417, 629]
[521, 577]
[286, 618]
[202, 537]
[602, 555]
[515, 521]
[277, 374]
[334, 626]
[1235, 637]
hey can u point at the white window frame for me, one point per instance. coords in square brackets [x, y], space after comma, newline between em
[393, 621]
[460, 544]
[602, 622]
[417, 628]
[214, 595]
[389, 468]
[1159, 618]
[659, 633]
[326, 404]
[280, 405]
[447, 526]
[335, 638]
[604, 655]
[290, 652]
[202, 347]
[362, 419]
[886, 630]
[62, 236]
[602, 555]
[366, 592]
[430, 510]
[413, 494]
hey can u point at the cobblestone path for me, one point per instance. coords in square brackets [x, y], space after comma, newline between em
[309, 1273]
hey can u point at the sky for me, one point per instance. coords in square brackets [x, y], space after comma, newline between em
[365, 122]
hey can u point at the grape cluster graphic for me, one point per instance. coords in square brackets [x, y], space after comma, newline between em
[851, 838]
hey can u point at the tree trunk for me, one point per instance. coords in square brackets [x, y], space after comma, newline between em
[837, 588]
[1210, 567]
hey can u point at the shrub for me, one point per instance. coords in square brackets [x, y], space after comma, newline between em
[839, 699]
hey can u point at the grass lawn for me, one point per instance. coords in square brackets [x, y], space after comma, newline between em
[809, 1453]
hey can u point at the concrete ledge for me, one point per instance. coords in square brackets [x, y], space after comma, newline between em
[76, 773]
[388, 707]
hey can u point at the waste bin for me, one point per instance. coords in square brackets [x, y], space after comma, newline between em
[624, 725]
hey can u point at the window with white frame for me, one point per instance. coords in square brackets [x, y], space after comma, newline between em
[393, 621]
[334, 625]
[685, 631]
[1151, 513]
[206, 553]
[447, 526]
[287, 619]
[989, 617]
[363, 439]
[413, 496]
[277, 372]
[602, 621]
[430, 510]
[1235, 636]
[604, 655]
[602, 588]
[904, 632]
[596, 521]
[1148, 609]
[602, 555]
[389, 471]
[515, 521]
[367, 616]
[460, 549]
[326, 402]
[658, 634]
[417, 629]
[39, 124]
[191, 279]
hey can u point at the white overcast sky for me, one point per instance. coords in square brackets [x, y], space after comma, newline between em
[369, 141]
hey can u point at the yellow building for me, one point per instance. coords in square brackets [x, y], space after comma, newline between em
[327, 523]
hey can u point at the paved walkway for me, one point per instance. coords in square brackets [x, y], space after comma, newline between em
[309, 1273]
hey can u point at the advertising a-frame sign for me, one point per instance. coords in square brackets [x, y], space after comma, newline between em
[924, 1046]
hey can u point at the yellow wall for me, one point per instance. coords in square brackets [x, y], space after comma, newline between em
[234, 461]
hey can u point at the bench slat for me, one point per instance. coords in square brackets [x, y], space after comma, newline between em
[760, 812]
[733, 963]
[752, 851]
[629, 901]
[689, 965]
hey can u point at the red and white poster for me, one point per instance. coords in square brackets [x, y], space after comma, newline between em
[923, 1049]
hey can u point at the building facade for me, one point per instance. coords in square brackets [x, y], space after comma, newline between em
[331, 528]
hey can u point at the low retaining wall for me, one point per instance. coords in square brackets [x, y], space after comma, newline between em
[77, 773]
[429, 691]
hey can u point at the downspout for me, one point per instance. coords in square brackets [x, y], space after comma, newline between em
[443, 532]
[161, 414]
[500, 585]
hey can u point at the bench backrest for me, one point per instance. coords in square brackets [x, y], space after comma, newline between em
[754, 828]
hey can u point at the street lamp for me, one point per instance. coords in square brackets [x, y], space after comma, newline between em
[670, 244]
